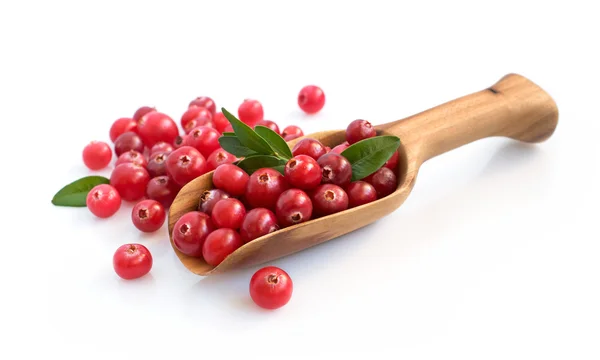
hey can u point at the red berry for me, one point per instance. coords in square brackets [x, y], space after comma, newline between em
[196, 116]
[230, 178]
[205, 102]
[359, 130]
[190, 232]
[291, 132]
[220, 157]
[250, 112]
[384, 181]
[303, 172]
[103, 201]
[258, 222]
[161, 147]
[219, 244]
[128, 141]
[121, 126]
[209, 198]
[360, 193]
[293, 207]
[132, 261]
[97, 155]
[392, 163]
[340, 148]
[329, 199]
[148, 215]
[221, 122]
[156, 127]
[228, 128]
[271, 288]
[264, 187]
[270, 124]
[133, 157]
[228, 213]
[311, 99]
[178, 142]
[130, 180]
[327, 149]
[157, 166]
[185, 164]
[139, 113]
[205, 139]
[310, 147]
[336, 169]
[162, 189]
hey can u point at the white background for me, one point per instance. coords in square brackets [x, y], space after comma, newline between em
[495, 254]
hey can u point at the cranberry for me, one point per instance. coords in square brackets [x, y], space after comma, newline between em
[270, 124]
[311, 99]
[221, 122]
[258, 222]
[178, 142]
[196, 116]
[228, 128]
[133, 157]
[360, 193]
[291, 132]
[359, 130]
[128, 141]
[327, 149]
[156, 127]
[132, 261]
[230, 178]
[303, 172]
[329, 199]
[204, 102]
[185, 164]
[220, 157]
[293, 207]
[205, 139]
[392, 163]
[250, 112]
[310, 147]
[157, 166]
[130, 180]
[190, 232]
[336, 169]
[384, 181]
[264, 187]
[148, 215]
[340, 148]
[141, 112]
[271, 288]
[162, 189]
[209, 198]
[161, 147]
[219, 244]
[103, 201]
[121, 126]
[97, 155]
[228, 213]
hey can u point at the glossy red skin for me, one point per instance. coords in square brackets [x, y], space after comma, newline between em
[310, 147]
[293, 207]
[303, 172]
[133, 157]
[161, 147]
[96, 155]
[185, 164]
[291, 132]
[231, 179]
[155, 127]
[130, 180]
[329, 199]
[392, 163]
[148, 215]
[204, 139]
[220, 157]
[340, 148]
[228, 128]
[250, 112]
[311, 99]
[190, 232]
[258, 222]
[228, 213]
[128, 141]
[269, 124]
[103, 201]
[205, 102]
[384, 181]
[209, 198]
[359, 130]
[336, 169]
[157, 166]
[219, 244]
[139, 113]
[132, 261]
[162, 189]
[360, 193]
[221, 122]
[178, 142]
[195, 116]
[121, 126]
[271, 288]
[264, 188]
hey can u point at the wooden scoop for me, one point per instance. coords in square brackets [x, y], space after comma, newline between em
[514, 107]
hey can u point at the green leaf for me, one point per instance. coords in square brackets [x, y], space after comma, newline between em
[367, 156]
[279, 146]
[247, 136]
[228, 134]
[253, 163]
[75, 193]
[232, 145]
[280, 168]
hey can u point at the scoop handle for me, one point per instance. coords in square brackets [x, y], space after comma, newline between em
[514, 107]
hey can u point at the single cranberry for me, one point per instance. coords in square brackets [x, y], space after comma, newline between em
[128, 141]
[329, 199]
[293, 207]
[359, 130]
[219, 244]
[221, 122]
[103, 201]
[156, 127]
[271, 288]
[209, 198]
[133, 157]
[161, 146]
[141, 112]
[204, 102]
[220, 157]
[130, 180]
[384, 181]
[392, 163]
[132, 261]
[250, 112]
[205, 139]
[185, 164]
[270, 124]
[228, 128]
[336, 169]
[178, 142]
[311, 99]
[148, 215]
[291, 132]
[340, 148]
[360, 193]
[258, 222]
[196, 116]
[121, 126]
[190, 232]
[228, 213]
[157, 166]
[97, 155]
[310, 147]
[264, 188]
[303, 172]
[230, 178]
[162, 189]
